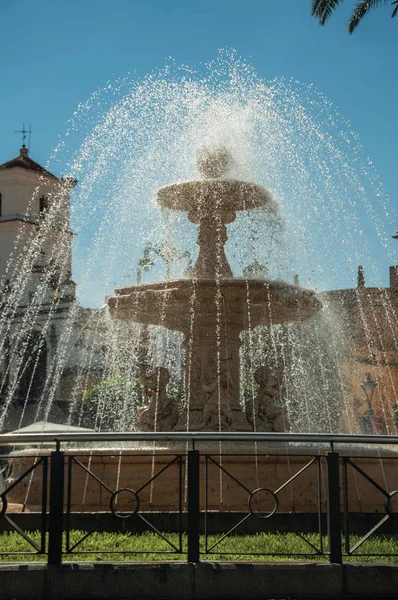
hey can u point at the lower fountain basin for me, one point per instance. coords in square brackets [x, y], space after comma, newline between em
[241, 303]
[158, 476]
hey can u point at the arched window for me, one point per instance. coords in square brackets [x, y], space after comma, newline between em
[43, 207]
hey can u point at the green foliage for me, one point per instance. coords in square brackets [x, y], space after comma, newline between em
[111, 405]
[248, 390]
[149, 545]
[323, 9]
[176, 391]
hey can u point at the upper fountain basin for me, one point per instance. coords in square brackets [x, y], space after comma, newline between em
[209, 196]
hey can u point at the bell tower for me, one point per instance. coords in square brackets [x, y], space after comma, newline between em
[36, 286]
[34, 220]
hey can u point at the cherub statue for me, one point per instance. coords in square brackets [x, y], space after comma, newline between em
[162, 412]
[217, 407]
[269, 413]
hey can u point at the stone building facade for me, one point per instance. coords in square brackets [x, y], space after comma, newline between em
[369, 318]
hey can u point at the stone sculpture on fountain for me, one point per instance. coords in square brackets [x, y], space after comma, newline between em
[266, 412]
[162, 412]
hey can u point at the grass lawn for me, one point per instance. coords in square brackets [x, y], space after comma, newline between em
[149, 547]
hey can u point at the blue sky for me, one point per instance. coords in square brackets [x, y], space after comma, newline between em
[55, 53]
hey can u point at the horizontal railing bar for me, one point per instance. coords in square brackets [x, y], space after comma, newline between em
[7, 439]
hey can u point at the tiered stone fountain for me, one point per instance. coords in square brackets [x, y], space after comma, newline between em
[212, 308]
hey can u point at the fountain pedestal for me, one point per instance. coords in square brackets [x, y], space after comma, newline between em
[212, 378]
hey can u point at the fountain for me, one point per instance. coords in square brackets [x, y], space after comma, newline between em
[212, 308]
[132, 144]
[230, 342]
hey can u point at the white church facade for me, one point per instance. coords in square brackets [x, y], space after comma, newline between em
[40, 318]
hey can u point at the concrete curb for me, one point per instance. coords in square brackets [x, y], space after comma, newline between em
[203, 581]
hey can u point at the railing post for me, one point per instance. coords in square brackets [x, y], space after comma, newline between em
[193, 505]
[333, 508]
[55, 526]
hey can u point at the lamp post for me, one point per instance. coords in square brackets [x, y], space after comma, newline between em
[144, 264]
[369, 386]
[167, 253]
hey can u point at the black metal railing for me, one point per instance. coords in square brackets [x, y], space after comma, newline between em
[261, 512]
[244, 481]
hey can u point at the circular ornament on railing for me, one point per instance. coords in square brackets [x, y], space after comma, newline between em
[390, 509]
[3, 501]
[263, 496]
[135, 500]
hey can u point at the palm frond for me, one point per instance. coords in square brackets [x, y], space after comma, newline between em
[322, 9]
[395, 11]
[361, 9]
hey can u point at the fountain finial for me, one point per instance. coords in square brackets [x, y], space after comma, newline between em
[213, 162]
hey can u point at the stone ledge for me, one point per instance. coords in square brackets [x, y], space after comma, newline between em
[249, 580]
[204, 581]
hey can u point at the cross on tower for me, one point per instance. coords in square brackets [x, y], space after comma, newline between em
[24, 133]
